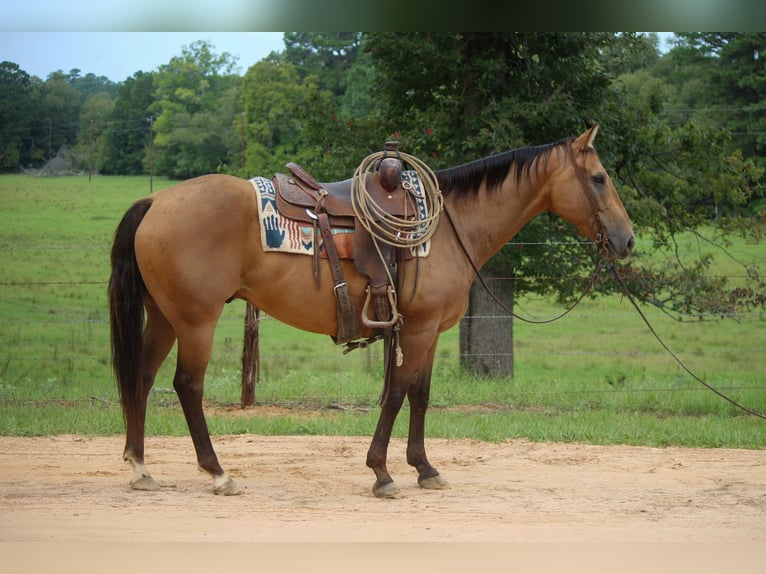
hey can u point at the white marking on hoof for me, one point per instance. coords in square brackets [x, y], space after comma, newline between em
[223, 484]
[141, 479]
[388, 490]
[434, 483]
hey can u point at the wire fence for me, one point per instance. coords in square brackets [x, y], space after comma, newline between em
[68, 337]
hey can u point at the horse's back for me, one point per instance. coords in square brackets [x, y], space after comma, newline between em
[207, 197]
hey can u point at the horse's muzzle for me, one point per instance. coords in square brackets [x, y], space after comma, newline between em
[619, 247]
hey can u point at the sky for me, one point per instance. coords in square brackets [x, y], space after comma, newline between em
[119, 55]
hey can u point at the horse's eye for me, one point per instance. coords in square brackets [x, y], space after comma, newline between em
[599, 179]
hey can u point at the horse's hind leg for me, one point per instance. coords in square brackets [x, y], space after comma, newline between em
[158, 339]
[194, 350]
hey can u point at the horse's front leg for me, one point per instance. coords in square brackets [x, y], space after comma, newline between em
[384, 486]
[418, 395]
[413, 379]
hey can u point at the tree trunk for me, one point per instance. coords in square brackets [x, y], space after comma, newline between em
[486, 330]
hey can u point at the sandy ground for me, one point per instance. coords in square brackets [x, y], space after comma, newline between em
[304, 489]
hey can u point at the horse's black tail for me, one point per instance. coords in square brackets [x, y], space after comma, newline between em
[126, 309]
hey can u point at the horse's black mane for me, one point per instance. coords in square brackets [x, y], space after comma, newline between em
[494, 169]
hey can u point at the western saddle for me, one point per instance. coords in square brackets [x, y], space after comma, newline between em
[330, 205]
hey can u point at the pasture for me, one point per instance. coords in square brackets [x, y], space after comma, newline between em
[597, 376]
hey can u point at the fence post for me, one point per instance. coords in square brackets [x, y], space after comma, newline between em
[251, 367]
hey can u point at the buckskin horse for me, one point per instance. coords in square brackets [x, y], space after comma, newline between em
[181, 253]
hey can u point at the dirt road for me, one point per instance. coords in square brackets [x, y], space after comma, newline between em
[71, 488]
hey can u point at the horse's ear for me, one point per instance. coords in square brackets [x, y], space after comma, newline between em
[585, 141]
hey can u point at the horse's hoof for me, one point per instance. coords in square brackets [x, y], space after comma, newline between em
[434, 483]
[388, 490]
[144, 482]
[227, 487]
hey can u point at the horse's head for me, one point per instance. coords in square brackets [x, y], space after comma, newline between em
[583, 194]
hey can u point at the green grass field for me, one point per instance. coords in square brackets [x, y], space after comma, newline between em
[596, 376]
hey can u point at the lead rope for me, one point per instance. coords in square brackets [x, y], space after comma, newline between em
[602, 263]
[613, 269]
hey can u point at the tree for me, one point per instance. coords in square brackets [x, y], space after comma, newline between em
[91, 85]
[92, 131]
[272, 96]
[339, 120]
[739, 84]
[358, 101]
[686, 173]
[327, 55]
[60, 107]
[468, 95]
[196, 107]
[718, 80]
[685, 180]
[127, 133]
[473, 94]
[40, 118]
[18, 111]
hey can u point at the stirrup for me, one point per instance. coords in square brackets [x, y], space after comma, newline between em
[381, 324]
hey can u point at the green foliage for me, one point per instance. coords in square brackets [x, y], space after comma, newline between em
[678, 179]
[329, 54]
[17, 111]
[358, 101]
[720, 81]
[40, 119]
[273, 95]
[312, 105]
[127, 135]
[92, 133]
[60, 102]
[91, 85]
[196, 103]
[481, 93]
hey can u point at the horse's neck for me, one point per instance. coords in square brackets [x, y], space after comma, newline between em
[486, 221]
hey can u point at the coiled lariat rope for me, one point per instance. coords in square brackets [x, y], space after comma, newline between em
[391, 229]
[408, 231]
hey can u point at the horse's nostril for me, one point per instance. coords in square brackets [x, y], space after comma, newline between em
[631, 243]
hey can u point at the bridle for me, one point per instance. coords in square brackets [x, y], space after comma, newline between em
[601, 238]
